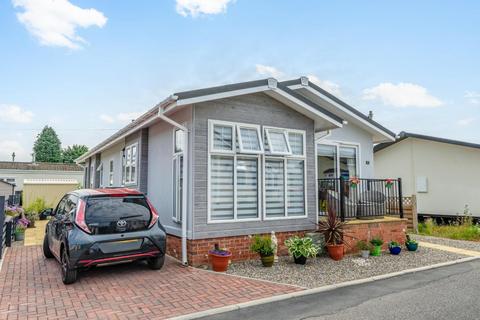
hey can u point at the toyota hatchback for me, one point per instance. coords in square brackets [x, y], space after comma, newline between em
[94, 227]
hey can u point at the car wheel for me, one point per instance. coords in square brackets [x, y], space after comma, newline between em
[46, 249]
[156, 263]
[69, 275]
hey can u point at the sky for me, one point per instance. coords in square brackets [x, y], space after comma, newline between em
[88, 67]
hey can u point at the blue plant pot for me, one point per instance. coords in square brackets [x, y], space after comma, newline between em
[395, 250]
[412, 246]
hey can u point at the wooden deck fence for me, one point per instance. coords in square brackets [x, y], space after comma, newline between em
[410, 212]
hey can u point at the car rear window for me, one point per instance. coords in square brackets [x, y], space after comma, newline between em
[105, 215]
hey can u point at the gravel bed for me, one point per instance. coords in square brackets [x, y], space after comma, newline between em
[462, 244]
[324, 271]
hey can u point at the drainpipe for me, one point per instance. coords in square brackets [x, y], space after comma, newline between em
[185, 180]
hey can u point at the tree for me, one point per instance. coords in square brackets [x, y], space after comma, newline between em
[47, 147]
[73, 152]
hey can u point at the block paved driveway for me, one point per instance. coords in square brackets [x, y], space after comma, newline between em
[31, 288]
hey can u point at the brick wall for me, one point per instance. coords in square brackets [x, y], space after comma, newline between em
[389, 229]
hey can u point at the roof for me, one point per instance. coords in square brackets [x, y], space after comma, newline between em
[9, 165]
[6, 182]
[404, 135]
[306, 83]
[115, 192]
[269, 86]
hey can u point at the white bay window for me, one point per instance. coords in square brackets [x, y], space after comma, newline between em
[246, 179]
[130, 164]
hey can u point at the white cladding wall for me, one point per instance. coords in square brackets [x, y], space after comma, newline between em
[452, 172]
[350, 133]
[114, 153]
[20, 175]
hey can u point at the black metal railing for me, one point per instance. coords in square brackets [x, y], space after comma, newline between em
[360, 198]
[6, 231]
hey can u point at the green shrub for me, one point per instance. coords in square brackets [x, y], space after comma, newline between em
[37, 206]
[393, 244]
[363, 245]
[301, 247]
[376, 241]
[262, 245]
[462, 229]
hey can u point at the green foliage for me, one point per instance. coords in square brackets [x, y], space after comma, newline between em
[73, 152]
[410, 240]
[47, 147]
[262, 246]
[332, 228]
[301, 247]
[376, 241]
[37, 206]
[393, 244]
[463, 229]
[363, 245]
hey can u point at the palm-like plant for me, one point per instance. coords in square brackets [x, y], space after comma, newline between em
[332, 228]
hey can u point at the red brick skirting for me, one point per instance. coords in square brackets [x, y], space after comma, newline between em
[388, 229]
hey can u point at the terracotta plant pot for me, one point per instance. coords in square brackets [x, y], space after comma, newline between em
[267, 261]
[335, 251]
[219, 261]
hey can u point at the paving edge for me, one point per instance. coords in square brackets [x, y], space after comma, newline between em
[2, 258]
[286, 296]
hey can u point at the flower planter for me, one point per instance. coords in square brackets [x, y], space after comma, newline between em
[412, 246]
[19, 236]
[376, 251]
[31, 224]
[219, 261]
[365, 253]
[395, 250]
[335, 251]
[300, 260]
[267, 261]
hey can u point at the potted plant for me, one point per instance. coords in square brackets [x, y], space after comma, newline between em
[32, 217]
[376, 246]
[20, 227]
[334, 231]
[265, 248]
[364, 248]
[219, 258]
[411, 244]
[301, 248]
[394, 247]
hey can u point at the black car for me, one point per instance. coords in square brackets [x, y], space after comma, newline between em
[93, 227]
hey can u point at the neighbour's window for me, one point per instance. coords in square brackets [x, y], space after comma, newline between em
[130, 167]
[92, 175]
[110, 173]
[100, 175]
[337, 160]
[179, 143]
[234, 179]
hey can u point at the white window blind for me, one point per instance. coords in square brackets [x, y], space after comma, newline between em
[222, 187]
[247, 188]
[296, 187]
[274, 188]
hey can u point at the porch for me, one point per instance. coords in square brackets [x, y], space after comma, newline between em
[358, 198]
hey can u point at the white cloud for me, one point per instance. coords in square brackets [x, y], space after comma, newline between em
[465, 122]
[54, 22]
[402, 95]
[198, 7]
[472, 97]
[123, 117]
[327, 85]
[268, 71]
[13, 113]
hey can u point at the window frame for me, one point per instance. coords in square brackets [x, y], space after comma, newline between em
[255, 127]
[285, 159]
[100, 175]
[211, 144]
[266, 131]
[128, 164]
[337, 145]
[111, 168]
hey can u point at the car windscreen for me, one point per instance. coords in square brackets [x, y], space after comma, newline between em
[105, 215]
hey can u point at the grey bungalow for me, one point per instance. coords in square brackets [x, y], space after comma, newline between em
[240, 159]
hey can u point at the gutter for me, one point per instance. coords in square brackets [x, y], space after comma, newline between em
[161, 115]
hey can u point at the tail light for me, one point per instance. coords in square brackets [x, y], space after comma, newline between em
[154, 214]
[80, 216]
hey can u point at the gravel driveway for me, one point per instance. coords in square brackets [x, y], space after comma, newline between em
[468, 245]
[324, 271]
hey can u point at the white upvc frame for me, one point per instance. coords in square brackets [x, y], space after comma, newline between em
[337, 145]
[267, 131]
[211, 145]
[239, 126]
[100, 175]
[129, 163]
[303, 133]
[111, 175]
[285, 177]
[92, 175]
[176, 169]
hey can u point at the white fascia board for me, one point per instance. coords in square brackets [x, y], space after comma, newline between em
[343, 109]
[221, 95]
[312, 111]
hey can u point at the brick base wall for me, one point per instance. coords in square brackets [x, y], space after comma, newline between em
[387, 229]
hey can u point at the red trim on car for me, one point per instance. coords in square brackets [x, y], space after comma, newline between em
[80, 216]
[90, 262]
[154, 214]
